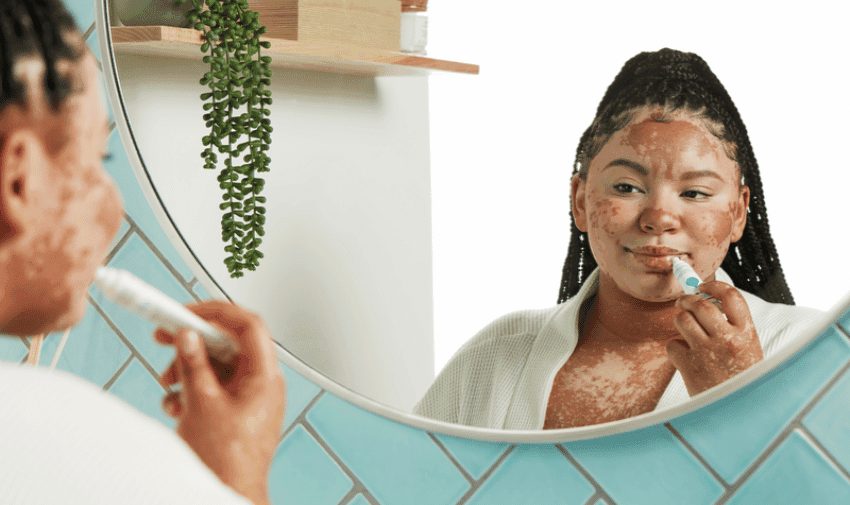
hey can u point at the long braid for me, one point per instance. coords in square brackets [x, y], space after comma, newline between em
[677, 80]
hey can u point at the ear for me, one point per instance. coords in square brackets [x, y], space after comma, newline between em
[579, 205]
[740, 217]
[19, 157]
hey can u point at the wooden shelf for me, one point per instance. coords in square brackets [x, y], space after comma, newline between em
[323, 57]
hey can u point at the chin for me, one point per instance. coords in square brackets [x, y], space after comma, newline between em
[652, 292]
[656, 299]
[46, 319]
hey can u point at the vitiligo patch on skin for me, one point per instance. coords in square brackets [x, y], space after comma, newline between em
[671, 142]
[655, 189]
[663, 202]
[71, 212]
[606, 385]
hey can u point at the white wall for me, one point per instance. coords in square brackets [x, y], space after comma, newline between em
[503, 142]
[346, 280]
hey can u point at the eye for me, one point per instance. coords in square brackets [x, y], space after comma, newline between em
[695, 194]
[625, 188]
[106, 157]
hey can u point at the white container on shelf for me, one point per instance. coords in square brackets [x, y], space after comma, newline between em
[414, 33]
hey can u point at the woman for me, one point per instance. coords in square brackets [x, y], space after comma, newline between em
[63, 439]
[665, 170]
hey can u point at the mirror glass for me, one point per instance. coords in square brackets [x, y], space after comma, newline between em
[376, 179]
[501, 225]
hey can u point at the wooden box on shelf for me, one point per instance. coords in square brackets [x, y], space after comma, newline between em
[369, 23]
[414, 5]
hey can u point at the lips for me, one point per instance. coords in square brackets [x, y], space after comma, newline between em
[655, 251]
[656, 258]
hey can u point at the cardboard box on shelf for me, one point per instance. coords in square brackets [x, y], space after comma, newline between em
[370, 23]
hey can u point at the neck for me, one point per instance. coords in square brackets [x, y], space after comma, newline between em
[631, 320]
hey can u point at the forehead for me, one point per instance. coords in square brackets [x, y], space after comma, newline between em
[653, 131]
[652, 134]
[670, 142]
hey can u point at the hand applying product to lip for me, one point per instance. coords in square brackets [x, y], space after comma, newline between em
[690, 281]
[714, 346]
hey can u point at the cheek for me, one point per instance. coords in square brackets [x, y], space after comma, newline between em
[714, 228]
[92, 215]
[606, 215]
[106, 202]
[607, 220]
[713, 231]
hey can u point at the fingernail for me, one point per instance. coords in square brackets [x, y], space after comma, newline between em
[192, 342]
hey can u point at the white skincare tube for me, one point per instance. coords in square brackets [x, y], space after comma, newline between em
[137, 296]
[689, 280]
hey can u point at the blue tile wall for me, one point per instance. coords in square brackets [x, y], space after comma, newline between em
[761, 410]
[518, 479]
[369, 445]
[93, 350]
[299, 393]
[12, 349]
[306, 473]
[140, 389]
[828, 420]
[83, 12]
[783, 439]
[795, 473]
[629, 466]
[473, 456]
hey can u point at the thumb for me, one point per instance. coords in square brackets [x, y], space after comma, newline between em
[194, 369]
[677, 352]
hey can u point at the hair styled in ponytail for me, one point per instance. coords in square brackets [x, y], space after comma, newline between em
[675, 80]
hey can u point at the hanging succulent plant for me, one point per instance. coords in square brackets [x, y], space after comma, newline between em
[236, 114]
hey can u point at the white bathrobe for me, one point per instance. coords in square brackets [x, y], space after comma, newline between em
[503, 376]
[63, 440]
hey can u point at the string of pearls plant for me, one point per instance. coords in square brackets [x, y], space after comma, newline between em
[236, 114]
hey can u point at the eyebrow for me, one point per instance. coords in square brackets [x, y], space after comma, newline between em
[696, 174]
[637, 167]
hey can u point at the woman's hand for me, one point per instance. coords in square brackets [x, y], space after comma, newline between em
[713, 350]
[229, 414]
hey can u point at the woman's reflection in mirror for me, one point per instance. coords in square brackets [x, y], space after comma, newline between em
[665, 170]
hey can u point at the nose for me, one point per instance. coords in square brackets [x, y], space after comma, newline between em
[659, 217]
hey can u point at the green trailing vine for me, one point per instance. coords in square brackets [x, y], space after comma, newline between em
[236, 114]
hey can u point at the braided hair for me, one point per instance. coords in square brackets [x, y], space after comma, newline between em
[36, 28]
[676, 80]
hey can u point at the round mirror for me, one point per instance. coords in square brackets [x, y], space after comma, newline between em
[376, 179]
